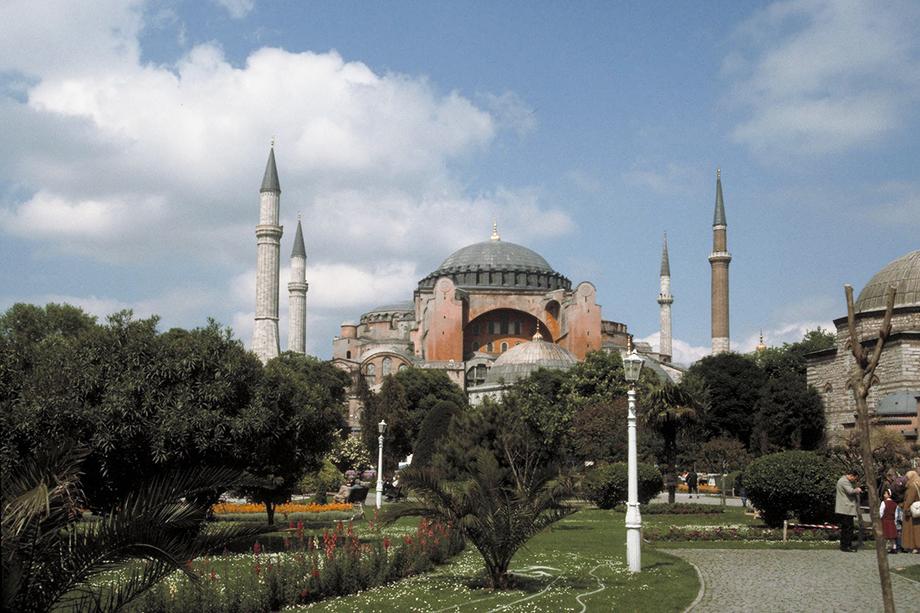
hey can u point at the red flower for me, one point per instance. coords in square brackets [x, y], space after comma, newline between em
[386, 543]
[256, 548]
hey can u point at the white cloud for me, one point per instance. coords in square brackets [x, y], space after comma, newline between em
[510, 111]
[819, 76]
[775, 336]
[683, 352]
[666, 179]
[237, 8]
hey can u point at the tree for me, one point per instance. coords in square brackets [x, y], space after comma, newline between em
[599, 434]
[403, 402]
[499, 492]
[434, 428]
[143, 401]
[668, 409]
[889, 452]
[52, 561]
[722, 455]
[540, 400]
[291, 426]
[392, 406]
[789, 415]
[862, 378]
[733, 383]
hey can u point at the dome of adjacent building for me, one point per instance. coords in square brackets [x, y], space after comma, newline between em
[904, 274]
[521, 360]
[497, 263]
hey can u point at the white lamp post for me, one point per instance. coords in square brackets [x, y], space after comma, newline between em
[381, 428]
[632, 365]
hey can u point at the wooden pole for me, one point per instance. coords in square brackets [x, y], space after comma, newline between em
[861, 380]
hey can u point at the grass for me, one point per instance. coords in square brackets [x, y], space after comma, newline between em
[911, 572]
[579, 562]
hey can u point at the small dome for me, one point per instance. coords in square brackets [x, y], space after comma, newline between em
[904, 274]
[521, 360]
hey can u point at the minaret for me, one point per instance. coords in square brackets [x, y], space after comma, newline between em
[664, 304]
[265, 341]
[719, 260]
[297, 295]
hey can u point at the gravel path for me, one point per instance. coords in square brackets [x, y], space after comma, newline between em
[771, 581]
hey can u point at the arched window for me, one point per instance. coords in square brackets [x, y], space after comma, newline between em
[476, 375]
[387, 363]
[402, 367]
[347, 355]
[489, 346]
[370, 374]
[504, 347]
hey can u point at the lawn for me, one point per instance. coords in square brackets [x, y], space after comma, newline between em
[911, 572]
[577, 565]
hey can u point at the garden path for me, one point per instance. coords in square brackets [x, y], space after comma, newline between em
[796, 580]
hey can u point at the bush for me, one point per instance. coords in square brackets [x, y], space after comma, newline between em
[606, 486]
[326, 479]
[792, 483]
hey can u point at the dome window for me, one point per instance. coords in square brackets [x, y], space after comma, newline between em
[370, 374]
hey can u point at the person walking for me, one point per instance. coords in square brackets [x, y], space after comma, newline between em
[888, 511]
[693, 483]
[910, 530]
[845, 509]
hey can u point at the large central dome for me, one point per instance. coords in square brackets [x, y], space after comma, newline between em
[498, 264]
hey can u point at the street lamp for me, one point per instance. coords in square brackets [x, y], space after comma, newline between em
[381, 428]
[632, 366]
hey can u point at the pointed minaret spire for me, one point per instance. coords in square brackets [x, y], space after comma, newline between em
[718, 218]
[719, 260]
[299, 247]
[495, 236]
[270, 178]
[664, 305]
[265, 341]
[297, 295]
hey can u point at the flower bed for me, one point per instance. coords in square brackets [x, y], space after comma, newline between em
[678, 508]
[311, 568]
[736, 533]
[288, 507]
[704, 488]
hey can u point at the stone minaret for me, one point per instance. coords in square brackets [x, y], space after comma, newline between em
[265, 341]
[297, 295]
[664, 301]
[719, 260]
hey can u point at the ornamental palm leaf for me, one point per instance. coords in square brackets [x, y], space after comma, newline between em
[53, 559]
[668, 409]
[498, 510]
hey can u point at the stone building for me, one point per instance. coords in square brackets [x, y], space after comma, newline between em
[895, 399]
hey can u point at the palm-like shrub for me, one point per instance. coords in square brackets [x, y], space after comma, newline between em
[53, 560]
[496, 509]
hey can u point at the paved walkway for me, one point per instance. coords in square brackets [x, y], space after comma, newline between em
[797, 580]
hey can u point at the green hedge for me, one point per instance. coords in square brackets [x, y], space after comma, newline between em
[606, 486]
[792, 484]
[678, 508]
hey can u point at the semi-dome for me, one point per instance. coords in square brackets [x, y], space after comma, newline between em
[523, 359]
[904, 274]
[497, 264]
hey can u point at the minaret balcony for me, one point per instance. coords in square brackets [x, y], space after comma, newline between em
[665, 299]
[720, 256]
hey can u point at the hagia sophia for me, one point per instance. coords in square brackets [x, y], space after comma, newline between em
[495, 311]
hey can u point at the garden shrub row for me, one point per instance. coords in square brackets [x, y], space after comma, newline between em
[736, 533]
[312, 568]
[678, 508]
[262, 518]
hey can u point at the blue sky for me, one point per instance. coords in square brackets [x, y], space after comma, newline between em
[135, 135]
